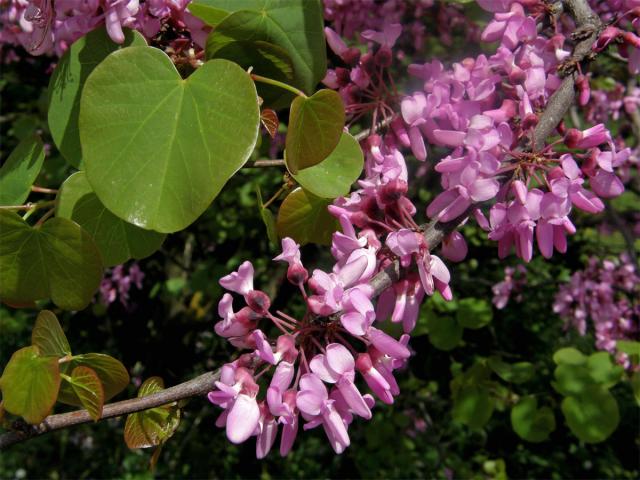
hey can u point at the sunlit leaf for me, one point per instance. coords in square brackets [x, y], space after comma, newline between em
[157, 148]
[569, 355]
[333, 176]
[20, 170]
[88, 388]
[48, 336]
[68, 80]
[30, 384]
[593, 415]
[530, 422]
[151, 427]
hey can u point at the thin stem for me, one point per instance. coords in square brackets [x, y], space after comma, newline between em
[45, 217]
[273, 199]
[51, 191]
[276, 83]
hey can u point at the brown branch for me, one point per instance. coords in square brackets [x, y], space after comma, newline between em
[194, 387]
[434, 232]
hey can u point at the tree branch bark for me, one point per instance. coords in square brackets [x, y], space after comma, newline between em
[434, 232]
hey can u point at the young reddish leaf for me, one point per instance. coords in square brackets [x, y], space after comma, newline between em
[30, 384]
[87, 386]
[270, 121]
[314, 130]
[112, 374]
[48, 335]
[154, 426]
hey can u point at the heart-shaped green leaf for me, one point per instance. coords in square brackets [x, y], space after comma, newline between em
[30, 384]
[68, 80]
[593, 415]
[603, 370]
[157, 148]
[58, 260]
[112, 374]
[87, 386]
[305, 218]
[334, 176]
[117, 240]
[20, 171]
[570, 356]
[154, 426]
[531, 423]
[314, 130]
[48, 335]
[294, 25]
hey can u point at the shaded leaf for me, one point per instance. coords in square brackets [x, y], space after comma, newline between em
[117, 240]
[333, 176]
[474, 313]
[305, 218]
[530, 422]
[518, 372]
[593, 415]
[444, 332]
[603, 370]
[473, 406]
[314, 130]
[20, 171]
[158, 152]
[67, 82]
[30, 384]
[58, 260]
[48, 335]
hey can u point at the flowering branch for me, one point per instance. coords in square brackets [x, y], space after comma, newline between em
[587, 23]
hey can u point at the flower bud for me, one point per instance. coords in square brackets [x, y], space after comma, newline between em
[258, 301]
[297, 274]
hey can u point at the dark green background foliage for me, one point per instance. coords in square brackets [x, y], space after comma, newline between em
[169, 333]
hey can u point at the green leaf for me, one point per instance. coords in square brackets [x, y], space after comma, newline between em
[603, 370]
[593, 415]
[444, 332]
[67, 82]
[474, 313]
[334, 176]
[88, 388]
[570, 356]
[518, 372]
[112, 374]
[57, 260]
[314, 130]
[572, 379]
[635, 386]
[251, 39]
[473, 406]
[305, 218]
[154, 426]
[629, 347]
[117, 240]
[267, 218]
[49, 337]
[531, 423]
[20, 171]
[295, 25]
[157, 148]
[30, 384]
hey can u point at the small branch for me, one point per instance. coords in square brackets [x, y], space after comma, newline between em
[367, 132]
[265, 164]
[195, 387]
[49, 191]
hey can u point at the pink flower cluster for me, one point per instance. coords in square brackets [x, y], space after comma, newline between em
[117, 283]
[486, 110]
[623, 29]
[607, 293]
[48, 27]
[515, 280]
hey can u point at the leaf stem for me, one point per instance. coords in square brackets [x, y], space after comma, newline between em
[272, 199]
[276, 83]
[51, 191]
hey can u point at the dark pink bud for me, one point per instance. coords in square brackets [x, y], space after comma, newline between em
[584, 91]
[258, 301]
[562, 128]
[351, 56]
[383, 57]
[572, 137]
[530, 121]
[606, 37]
[368, 63]
[297, 274]
[343, 76]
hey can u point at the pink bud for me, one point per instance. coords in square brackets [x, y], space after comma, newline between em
[258, 301]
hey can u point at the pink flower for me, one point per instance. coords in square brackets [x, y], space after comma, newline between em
[240, 281]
